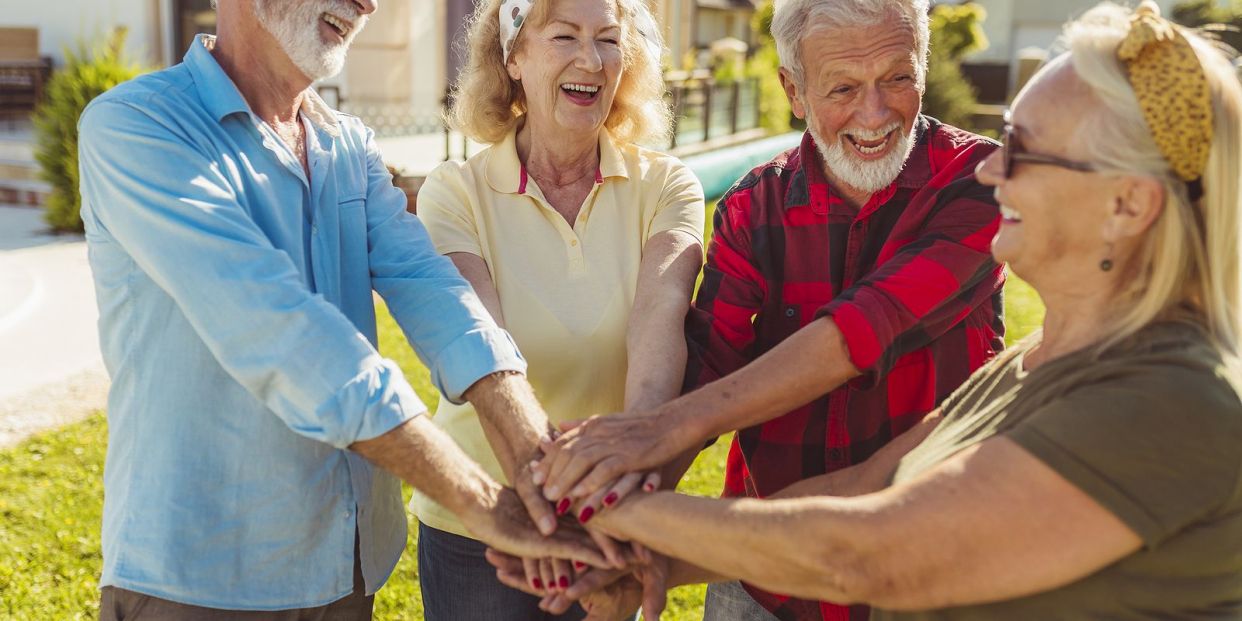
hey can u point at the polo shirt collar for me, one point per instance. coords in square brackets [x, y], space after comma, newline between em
[221, 97]
[810, 173]
[507, 175]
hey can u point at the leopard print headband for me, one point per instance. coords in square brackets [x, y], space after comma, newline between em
[1172, 90]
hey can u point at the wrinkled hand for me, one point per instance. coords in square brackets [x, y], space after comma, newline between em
[538, 507]
[501, 520]
[606, 595]
[593, 453]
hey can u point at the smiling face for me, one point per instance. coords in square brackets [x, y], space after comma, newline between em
[570, 66]
[315, 34]
[860, 97]
[1053, 220]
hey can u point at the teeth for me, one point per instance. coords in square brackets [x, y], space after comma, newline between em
[1010, 214]
[336, 22]
[869, 150]
[582, 88]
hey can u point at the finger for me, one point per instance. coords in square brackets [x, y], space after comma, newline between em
[655, 593]
[652, 482]
[558, 604]
[642, 553]
[503, 560]
[516, 581]
[593, 581]
[591, 506]
[547, 575]
[595, 472]
[530, 567]
[610, 548]
[562, 573]
[570, 425]
[546, 602]
[621, 489]
[540, 510]
[537, 473]
[555, 462]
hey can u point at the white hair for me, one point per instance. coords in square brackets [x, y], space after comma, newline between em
[793, 18]
[1191, 255]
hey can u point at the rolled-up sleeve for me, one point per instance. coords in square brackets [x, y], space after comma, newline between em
[446, 324]
[928, 286]
[183, 225]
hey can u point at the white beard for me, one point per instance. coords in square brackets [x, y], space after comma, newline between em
[864, 176]
[295, 25]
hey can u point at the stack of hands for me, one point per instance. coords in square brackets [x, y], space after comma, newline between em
[573, 485]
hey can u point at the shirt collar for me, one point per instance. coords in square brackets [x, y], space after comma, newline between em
[810, 173]
[221, 97]
[507, 175]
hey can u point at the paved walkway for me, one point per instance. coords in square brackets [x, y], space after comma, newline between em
[51, 372]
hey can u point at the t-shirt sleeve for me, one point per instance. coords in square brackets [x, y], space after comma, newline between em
[681, 204]
[446, 210]
[1159, 449]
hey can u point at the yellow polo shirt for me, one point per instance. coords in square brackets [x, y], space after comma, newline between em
[566, 291]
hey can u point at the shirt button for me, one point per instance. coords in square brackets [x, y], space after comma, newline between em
[790, 312]
[573, 243]
[835, 454]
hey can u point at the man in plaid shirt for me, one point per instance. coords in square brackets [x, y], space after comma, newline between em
[849, 288]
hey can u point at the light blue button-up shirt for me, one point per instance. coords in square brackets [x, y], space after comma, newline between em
[238, 325]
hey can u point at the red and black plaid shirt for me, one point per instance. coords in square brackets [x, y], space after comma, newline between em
[909, 280]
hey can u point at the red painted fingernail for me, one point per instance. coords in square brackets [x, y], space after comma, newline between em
[610, 498]
[579, 565]
[586, 514]
[538, 583]
[564, 582]
[562, 506]
[647, 487]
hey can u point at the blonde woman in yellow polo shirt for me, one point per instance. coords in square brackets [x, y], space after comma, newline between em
[582, 244]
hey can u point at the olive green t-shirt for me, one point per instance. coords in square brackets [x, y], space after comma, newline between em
[1152, 430]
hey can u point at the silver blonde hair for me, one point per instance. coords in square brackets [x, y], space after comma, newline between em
[792, 20]
[1190, 257]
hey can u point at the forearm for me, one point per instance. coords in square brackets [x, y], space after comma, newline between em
[681, 573]
[803, 547]
[870, 476]
[511, 417]
[422, 455]
[656, 349]
[803, 367]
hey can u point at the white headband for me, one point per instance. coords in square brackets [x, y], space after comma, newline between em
[513, 15]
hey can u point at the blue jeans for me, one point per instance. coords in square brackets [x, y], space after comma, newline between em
[459, 584]
[728, 601]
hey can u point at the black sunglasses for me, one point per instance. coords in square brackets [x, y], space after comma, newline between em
[1013, 152]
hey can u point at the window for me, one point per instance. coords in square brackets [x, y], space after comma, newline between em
[191, 17]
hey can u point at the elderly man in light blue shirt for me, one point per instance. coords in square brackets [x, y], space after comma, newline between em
[237, 228]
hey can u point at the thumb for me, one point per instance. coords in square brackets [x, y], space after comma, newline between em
[538, 507]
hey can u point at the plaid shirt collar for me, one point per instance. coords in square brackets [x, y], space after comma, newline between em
[809, 175]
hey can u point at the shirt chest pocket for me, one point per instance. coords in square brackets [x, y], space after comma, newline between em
[352, 244]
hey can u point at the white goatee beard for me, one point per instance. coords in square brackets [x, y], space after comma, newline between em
[860, 175]
[295, 25]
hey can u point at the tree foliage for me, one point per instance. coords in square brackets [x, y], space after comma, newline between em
[1223, 22]
[85, 76]
[956, 30]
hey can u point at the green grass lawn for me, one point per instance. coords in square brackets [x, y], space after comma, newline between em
[51, 502]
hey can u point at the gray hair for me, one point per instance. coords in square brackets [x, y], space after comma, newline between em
[793, 18]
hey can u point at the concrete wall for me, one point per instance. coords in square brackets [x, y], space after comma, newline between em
[64, 23]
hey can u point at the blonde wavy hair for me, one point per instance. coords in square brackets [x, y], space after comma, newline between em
[488, 104]
[1190, 258]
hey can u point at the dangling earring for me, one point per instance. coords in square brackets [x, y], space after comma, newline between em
[1107, 263]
